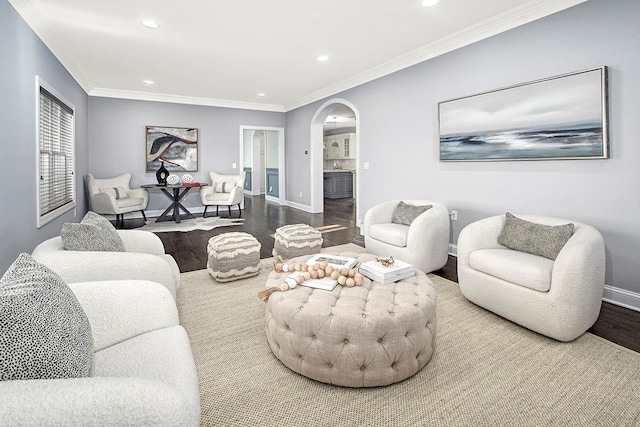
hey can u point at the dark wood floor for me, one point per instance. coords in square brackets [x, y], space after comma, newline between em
[616, 324]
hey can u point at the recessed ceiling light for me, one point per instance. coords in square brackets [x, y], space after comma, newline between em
[261, 95]
[429, 3]
[148, 82]
[150, 24]
[323, 58]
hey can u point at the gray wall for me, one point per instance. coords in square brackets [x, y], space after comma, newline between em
[117, 138]
[22, 57]
[399, 132]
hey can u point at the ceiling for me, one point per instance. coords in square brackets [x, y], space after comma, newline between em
[225, 53]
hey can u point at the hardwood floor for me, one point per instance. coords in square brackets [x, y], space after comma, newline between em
[616, 324]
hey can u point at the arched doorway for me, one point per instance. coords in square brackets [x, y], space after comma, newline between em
[317, 166]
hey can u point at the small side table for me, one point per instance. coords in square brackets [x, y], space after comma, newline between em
[172, 213]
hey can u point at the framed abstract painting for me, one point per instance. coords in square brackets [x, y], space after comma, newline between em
[176, 148]
[562, 117]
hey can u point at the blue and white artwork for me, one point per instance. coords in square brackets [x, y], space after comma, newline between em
[562, 117]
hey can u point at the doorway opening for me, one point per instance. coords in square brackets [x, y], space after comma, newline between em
[262, 159]
[335, 149]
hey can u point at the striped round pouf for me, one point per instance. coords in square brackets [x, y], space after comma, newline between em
[233, 256]
[296, 240]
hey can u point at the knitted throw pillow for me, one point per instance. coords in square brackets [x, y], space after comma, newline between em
[44, 332]
[405, 213]
[536, 239]
[93, 233]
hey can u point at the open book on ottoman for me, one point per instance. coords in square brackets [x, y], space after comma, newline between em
[384, 271]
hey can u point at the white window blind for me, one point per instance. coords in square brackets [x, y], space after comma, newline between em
[56, 192]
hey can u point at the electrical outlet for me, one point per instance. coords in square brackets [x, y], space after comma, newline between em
[233, 165]
[365, 165]
[454, 215]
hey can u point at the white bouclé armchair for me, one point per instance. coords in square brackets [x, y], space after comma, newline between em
[424, 243]
[558, 298]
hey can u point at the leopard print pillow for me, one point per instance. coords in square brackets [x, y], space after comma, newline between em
[44, 332]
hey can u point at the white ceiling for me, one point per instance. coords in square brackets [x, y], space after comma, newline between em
[225, 52]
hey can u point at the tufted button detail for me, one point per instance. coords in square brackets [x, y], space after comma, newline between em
[334, 314]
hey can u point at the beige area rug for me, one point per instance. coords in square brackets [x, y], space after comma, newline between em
[485, 371]
[191, 224]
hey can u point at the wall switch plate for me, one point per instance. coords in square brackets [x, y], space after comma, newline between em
[454, 215]
[365, 165]
[233, 165]
[301, 194]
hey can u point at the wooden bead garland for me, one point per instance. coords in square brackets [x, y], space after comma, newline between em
[345, 277]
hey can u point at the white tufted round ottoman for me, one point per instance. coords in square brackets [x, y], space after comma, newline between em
[365, 336]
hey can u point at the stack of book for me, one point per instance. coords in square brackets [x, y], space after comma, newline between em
[384, 274]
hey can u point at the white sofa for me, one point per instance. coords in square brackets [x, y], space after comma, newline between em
[424, 243]
[144, 259]
[558, 298]
[143, 371]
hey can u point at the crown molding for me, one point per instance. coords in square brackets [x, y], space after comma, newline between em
[520, 15]
[505, 21]
[35, 18]
[178, 99]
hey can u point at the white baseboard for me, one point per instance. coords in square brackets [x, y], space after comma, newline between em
[622, 297]
[613, 295]
[453, 249]
[295, 205]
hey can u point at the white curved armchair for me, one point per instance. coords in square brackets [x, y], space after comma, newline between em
[424, 243]
[558, 298]
[113, 196]
[225, 190]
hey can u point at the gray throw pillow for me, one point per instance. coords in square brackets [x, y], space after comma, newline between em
[537, 239]
[93, 233]
[405, 213]
[44, 332]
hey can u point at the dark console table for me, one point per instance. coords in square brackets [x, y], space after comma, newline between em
[175, 193]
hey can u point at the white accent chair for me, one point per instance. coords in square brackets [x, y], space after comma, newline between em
[560, 299]
[143, 372]
[144, 259]
[113, 196]
[225, 190]
[424, 243]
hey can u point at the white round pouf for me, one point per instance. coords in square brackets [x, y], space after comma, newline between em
[364, 336]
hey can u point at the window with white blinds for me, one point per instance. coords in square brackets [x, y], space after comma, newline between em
[56, 165]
